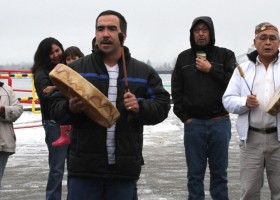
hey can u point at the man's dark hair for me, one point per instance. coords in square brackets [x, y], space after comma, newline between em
[123, 24]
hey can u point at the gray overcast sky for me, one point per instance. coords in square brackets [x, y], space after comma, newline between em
[157, 29]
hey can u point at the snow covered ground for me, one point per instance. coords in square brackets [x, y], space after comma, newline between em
[163, 176]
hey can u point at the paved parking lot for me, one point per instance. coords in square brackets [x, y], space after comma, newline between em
[163, 176]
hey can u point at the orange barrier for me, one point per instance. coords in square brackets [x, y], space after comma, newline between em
[18, 75]
[7, 77]
[7, 74]
[30, 126]
[28, 100]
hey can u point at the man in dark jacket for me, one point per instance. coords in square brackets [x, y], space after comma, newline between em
[104, 163]
[199, 80]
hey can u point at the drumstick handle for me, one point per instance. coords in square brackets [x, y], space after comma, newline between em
[124, 71]
[242, 75]
[121, 38]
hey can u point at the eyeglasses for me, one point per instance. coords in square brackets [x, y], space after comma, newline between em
[203, 30]
[271, 38]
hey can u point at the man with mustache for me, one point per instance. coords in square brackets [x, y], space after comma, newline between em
[259, 131]
[105, 163]
[199, 79]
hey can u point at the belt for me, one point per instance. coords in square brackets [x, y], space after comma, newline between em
[264, 130]
[219, 117]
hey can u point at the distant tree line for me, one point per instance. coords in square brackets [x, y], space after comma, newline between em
[17, 66]
[165, 68]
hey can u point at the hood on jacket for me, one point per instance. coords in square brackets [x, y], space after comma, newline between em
[208, 21]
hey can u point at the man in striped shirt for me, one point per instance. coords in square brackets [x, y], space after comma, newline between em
[105, 163]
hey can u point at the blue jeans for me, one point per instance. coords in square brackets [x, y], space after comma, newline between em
[207, 139]
[57, 157]
[100, 189]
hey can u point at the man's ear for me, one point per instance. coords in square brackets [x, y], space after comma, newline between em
[124, 35]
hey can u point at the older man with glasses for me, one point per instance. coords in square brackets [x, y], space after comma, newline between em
[259, 131]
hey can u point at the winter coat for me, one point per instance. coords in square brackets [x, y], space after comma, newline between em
[88, 154]
[41, 81]
[197, 94]
[13, 111]
[237, 91]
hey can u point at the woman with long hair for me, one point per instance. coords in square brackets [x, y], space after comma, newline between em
[47, 56]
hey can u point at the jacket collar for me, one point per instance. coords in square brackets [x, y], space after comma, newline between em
[253, 56]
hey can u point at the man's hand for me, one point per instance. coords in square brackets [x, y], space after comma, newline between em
[252, 101]
[76, 105]
[2, 110]
[203, 65]
[188, 121]
[130, 102]
[49, 89]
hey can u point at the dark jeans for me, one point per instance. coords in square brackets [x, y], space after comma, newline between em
[57, 157]
[3, 162]
[135, 193]
[207, 139]
[100, 189]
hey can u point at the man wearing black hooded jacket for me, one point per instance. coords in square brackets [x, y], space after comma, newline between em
[198, 84]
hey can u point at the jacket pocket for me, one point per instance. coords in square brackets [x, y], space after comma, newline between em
[128, 166]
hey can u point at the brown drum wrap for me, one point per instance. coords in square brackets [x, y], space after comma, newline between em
[97, 105]
[273, 106]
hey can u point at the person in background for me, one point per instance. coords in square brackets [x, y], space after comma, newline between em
[47, 56]
[198, 82]
[259, 131]
[70, 54]
[104, 163]
[10, 111]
